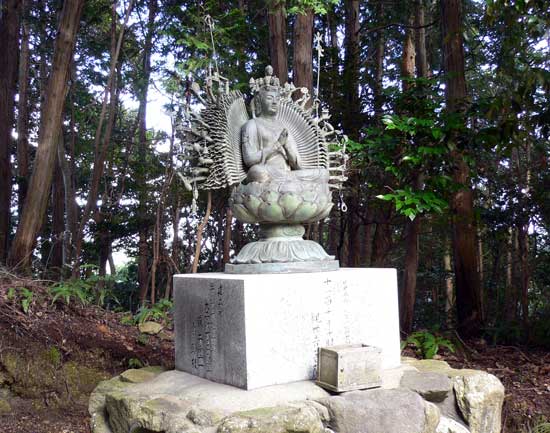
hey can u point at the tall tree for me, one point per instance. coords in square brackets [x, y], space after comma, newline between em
[10, 12]
[23, 112]
[36, 201]
[378, 97]
[412, 228]
[143, 219]
[468, 297]
[302, 65]
[352, 117]
[103, 133]
[351, 121]
[276, 23]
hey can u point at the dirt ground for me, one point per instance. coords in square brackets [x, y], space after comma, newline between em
[95, 342]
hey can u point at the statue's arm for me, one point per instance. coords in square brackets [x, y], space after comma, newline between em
[292, 155]
[252, 154]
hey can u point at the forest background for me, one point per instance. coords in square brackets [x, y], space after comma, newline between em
[446, 105]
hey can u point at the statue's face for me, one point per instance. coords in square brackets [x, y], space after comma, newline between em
[270, 101]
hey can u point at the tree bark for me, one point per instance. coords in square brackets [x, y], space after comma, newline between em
[524, 178]
[10, 13]
[420, 41]
[227, 235]
[449, 288]
[276, 24]
[102, 138]
[525, 278]
[71, 207]
[143, 220]
[468, 297]
[303, 51]
[37, 198]
[23, 113]
[510, 292]
[408, 58]
[351, 120]
[412, 228]
[409, 276]
[413, 55]
[58, 221]
[378, 97]
[382, 240]
[200, 231]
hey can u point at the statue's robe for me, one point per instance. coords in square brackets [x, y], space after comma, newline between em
[283, 165]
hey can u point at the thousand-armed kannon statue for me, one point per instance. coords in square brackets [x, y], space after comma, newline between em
[276, 161]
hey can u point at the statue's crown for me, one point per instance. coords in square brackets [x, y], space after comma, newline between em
[268, 82]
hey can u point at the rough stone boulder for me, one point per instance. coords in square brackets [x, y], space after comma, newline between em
[419, 397]
[381, 411]
[282, 419]
[480, 396]
[448, 425]
[434, 387]
[476, 399]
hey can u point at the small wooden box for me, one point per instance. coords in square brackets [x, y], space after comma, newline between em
[349, 367]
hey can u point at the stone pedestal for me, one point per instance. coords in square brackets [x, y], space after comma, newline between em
[252, 331]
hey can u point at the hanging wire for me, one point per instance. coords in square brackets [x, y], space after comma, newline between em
[319, 47]
[343, 205]
[210, 23]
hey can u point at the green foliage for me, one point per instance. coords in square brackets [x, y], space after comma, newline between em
[159, 312]
[427, 344]
[319, 7]
[135, 363]
[505, 332]
[142, 339]
[412, 150]
[54, 356]
[94, 289]
[71, 290]
[23, 295]
[540, 426]
[127, 319]
[410, 203]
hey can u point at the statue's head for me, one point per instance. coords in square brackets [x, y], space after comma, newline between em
[268, 101]
[267, 93]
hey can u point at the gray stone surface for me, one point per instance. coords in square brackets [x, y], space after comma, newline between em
[448, 425]
[477, 398]
[137, 375]
[381, 411]
[449, 408]
[300, 418]
[282, 268]
[480, 397]
[434, 387]
[177, 402]
[151, 328]
[203, 418]
[162, 414]
[433, 416]
[149, 396]
[216, 397]
[222, 333]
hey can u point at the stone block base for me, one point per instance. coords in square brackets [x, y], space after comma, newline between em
[252, 331]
